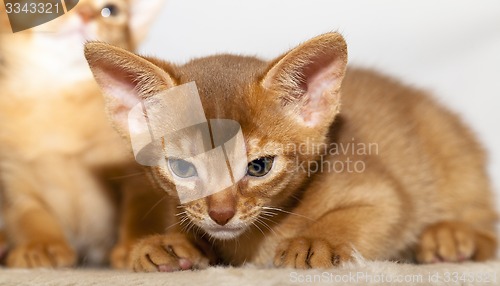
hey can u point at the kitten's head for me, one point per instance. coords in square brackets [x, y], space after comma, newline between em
[122, 23]
[280, 105]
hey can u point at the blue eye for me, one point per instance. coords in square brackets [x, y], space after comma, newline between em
[260, 167]
[182, 169]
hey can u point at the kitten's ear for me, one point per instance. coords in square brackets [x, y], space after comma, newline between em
[142, 15]
[308, 78]
[125, 79]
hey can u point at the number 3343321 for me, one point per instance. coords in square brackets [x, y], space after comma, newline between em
[32, 8]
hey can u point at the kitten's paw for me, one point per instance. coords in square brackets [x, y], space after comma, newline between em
[120, 255]
[454, 242]
[304, 253]
[166, 253]
[42, 254]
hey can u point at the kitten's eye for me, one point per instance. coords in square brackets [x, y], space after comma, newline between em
[182, 168]
[260, 167]
[110, 10]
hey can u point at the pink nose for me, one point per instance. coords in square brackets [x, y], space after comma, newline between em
[221, 217]
[86, 13]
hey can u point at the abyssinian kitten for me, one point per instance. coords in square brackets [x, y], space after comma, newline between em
[422, 194]
[64, 171]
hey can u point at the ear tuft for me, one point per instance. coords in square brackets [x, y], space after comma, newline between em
[309, 77]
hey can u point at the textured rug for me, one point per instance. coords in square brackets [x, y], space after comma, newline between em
[360, 273]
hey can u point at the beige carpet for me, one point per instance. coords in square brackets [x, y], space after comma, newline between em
[361, 273]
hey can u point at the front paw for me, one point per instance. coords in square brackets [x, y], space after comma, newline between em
[42, 254]
[120, 255]
[166, 253]
[304, 253]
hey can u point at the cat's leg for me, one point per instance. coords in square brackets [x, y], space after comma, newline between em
[3, 246]
[465, 195]
[142, 213]
[332, 239]
[167, 253]
[367, 213]
[34, 233]
[455, 241]
[38, 241]
[173, 251]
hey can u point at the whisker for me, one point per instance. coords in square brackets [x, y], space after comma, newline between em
[126, 176]
[191, 225]
[266, 216]
[184, 219]
[277, 232]
[236, 246]
[266, 226]
[183, 223]
[211, 239]
[197, 231]
[298, 199]
[172, 225]
[187, 226]
[154, 206]
[246, 234]
[259, 228]
[269, 214]
[287, 212]
[268, 219]
[181, 213]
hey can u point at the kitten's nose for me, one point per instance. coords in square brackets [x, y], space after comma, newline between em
[86, 12]
[221, 217]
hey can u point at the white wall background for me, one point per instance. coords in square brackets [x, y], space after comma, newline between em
[449, 47]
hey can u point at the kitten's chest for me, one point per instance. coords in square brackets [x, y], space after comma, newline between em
[49, 101]
[68, 119]
[45, 62]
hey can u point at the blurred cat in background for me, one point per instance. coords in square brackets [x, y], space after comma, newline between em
[58, 153]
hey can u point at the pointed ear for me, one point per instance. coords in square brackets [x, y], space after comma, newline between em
[125, 79]
[307, 79]
[142, 16]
